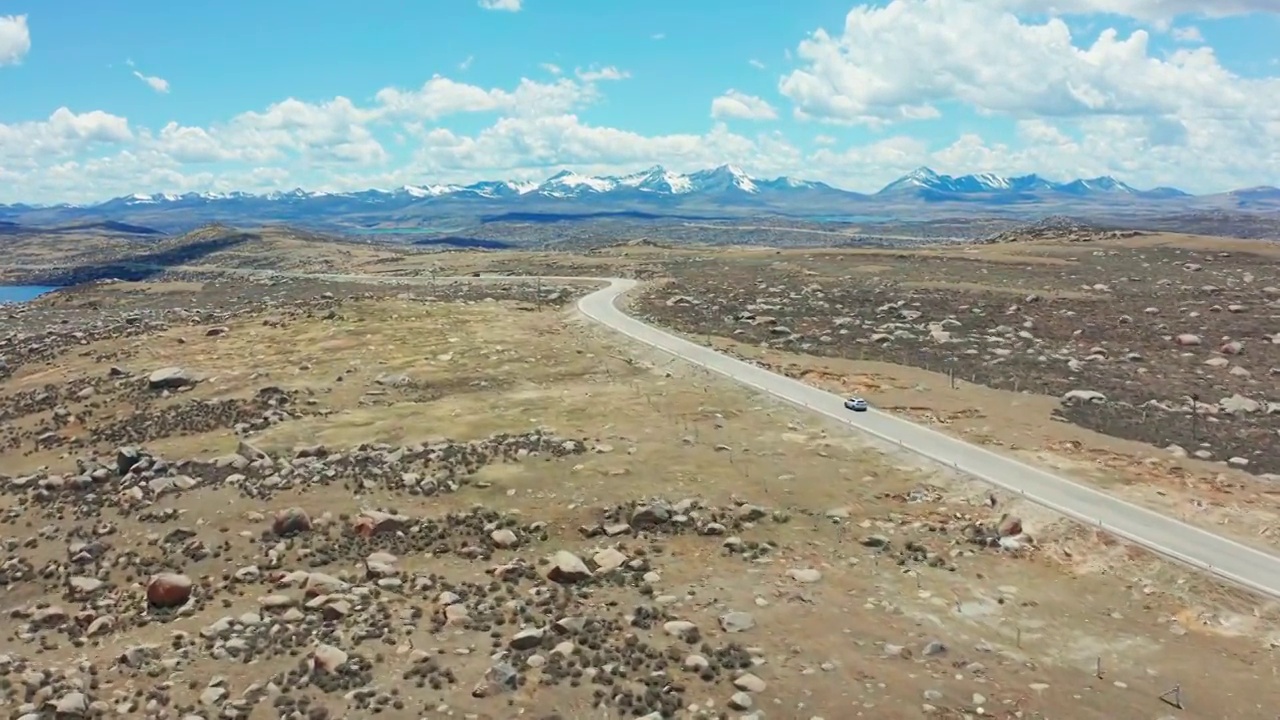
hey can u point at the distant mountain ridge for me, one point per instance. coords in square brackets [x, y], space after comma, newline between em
[657, 180]
[724, 191]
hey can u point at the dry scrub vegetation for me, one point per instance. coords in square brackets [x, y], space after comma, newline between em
[344, 500]
[294, 499]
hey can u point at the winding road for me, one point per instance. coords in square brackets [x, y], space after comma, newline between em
[1174, 539]
[1225, 558]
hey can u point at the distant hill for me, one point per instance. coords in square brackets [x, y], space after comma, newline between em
[655, 193]
[8, 227]
[112, 226]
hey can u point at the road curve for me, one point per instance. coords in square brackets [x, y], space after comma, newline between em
[1227, 559]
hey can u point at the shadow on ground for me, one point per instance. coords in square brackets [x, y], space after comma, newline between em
[142, 266]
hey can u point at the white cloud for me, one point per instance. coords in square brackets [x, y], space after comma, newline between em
[505, 5]
[735, 104]
[1081, 106]
[1188, 34]
[158, 84]
[62, 134]
[875, 70]
[1146, 10]
[755, 64]
[440, 97]
[1148, 118]
[15, 39]
[551, 68]
[605, 73]
[466, 63]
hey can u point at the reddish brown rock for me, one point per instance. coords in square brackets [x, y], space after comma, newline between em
[168, 590]
[291, 521]
[374, 522]
[1009, 525]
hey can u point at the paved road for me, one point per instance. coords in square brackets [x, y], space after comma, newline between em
[1172, 538]
[1225, 558]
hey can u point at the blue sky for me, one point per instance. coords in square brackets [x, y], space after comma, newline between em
[863, 104]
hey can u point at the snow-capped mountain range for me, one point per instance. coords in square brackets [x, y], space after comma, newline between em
[725, 191]
[565, 184]
[658, 181]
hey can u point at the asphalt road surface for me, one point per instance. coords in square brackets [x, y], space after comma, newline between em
[1172, 538]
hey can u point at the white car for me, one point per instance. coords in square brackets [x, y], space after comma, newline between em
[856, 404]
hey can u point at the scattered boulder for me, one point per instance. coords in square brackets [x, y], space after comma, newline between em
[567, 568]
[169, 590]
[171, 378]
[1082, 397]
[291, 521]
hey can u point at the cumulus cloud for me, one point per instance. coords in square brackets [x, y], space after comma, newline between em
[1150, 115]
[1105, 103]
[441, 96]
[15, 39]
[735, 104]
[875, 70]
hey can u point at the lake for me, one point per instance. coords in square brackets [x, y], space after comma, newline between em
[401, 231]
[847, 218]
[23, 293]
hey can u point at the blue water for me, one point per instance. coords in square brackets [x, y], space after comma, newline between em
[849, 218]
[23, 293]
[403, 231]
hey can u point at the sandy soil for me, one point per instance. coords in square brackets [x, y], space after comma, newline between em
[739, 558]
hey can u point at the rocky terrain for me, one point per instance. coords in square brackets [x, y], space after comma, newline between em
[227, 497]
[1059, 229]
[1172, 346]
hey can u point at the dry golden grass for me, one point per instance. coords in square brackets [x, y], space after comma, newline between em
[1023, 634]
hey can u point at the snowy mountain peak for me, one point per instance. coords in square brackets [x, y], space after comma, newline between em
[926, 180]
[725, 177]
[657, 179]
[568, 183]
[1103, 184]
[428, 191]
[921, 177]
[725, 184]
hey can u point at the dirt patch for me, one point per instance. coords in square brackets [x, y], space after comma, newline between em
[470, 505]
[1139, 341]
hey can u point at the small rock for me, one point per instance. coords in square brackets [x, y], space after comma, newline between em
[736, 622]
[567, 568]
[328, 659]
[168, 590]
[805, 575]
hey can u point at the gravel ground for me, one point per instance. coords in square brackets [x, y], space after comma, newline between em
[1130, 338]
